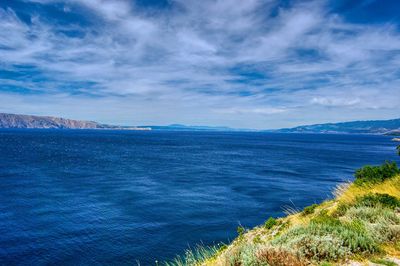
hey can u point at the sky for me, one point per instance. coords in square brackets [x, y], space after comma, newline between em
[259, 64]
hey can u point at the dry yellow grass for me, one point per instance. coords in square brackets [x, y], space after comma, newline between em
[347, 193]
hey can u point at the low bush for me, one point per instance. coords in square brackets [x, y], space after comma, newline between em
[384, 232]
[309, 209]
[271, 222]
[311, 243]
[327, 238]
[376, 174]
[279, 257]
[248, 256]
[373, 203]
[257, 240]
[381, 200]
[341, 210]
[326, 220]
[383, 224]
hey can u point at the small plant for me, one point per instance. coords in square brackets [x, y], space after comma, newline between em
[257, 240]
[309, 209]
[271, 222]
[341, 210]
[325, 219]
[241, 230]
[376, 174]
[222, 247]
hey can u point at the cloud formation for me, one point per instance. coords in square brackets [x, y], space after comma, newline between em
[255, 63]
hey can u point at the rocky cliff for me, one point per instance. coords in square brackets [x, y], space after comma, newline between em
[32, 121]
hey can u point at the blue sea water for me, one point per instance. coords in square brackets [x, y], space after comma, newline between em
[117, 197]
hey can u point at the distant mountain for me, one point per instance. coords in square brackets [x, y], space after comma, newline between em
[179, 127]
[360, 127]
[387, 127]
[33, 121]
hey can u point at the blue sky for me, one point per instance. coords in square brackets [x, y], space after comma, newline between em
[253, 64]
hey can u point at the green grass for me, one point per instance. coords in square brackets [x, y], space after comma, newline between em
[271, 222]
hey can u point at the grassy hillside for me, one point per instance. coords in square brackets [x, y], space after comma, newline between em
[360, 225]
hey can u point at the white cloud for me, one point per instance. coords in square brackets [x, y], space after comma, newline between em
[257, 111]
[333, 102]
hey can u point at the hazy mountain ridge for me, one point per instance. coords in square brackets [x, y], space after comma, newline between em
[33, 121]
[389, 127]
[179, 127]
[361, 127]
[49, 122]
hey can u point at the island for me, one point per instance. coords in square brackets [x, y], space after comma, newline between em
[17, 121]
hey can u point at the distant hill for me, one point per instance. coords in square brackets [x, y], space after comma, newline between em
[33, 121]
[387, 127]
[361, 127]
[179, 127]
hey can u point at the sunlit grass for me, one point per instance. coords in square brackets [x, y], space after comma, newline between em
[348, 193]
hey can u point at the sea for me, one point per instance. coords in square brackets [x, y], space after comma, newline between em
[103, 197]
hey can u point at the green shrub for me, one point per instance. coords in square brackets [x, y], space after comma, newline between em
[376, 174]
[278, 257]
[327, 238]
[271, 222]
[382, 224]
[257, 240]
[309, 209]
[312, 243]
[384, 232]
[248, 256]
[374, 200]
